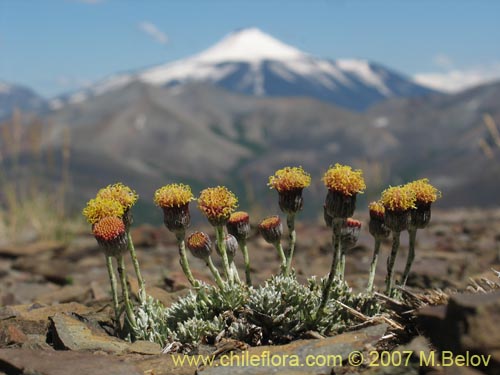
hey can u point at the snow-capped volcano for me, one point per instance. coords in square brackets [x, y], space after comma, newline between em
[251, 62]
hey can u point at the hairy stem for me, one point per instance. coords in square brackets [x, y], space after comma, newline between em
[373, 266]
[219, 231]
[114, 290]
[290, 221]
[282, 256]
[389, 280]
[183, 260]
[135, 262]
[244, 250]
[339, 254]
[215, 272]
[125, 294]
[342, 264]
[333, 269]
[234, 270]
[411, 255]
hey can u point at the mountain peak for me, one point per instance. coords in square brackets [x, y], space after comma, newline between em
[250, 45]
[4, 87]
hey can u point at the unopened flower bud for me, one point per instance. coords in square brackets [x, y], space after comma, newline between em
[239, 225]
[377, 226]
[271, 229]
[349, 233]
[231, 247]
[200, 245]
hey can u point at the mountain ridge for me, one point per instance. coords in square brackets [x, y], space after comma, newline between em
[252, 62]
[204, 135]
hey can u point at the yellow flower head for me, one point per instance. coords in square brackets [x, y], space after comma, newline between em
[99, 208]
[217, 203]
[173, 195]
[120, 193]
[289, 178]
[425, 193]
[376, 209]
[398, 198]
[345, 180]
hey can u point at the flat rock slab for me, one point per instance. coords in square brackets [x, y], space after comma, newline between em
[53, 269]
[37, 311]
[340, 345]
[144, 347]
[68, 293]
[469, 323]
[73, 334]
[162, 364]
[25, 361]
[14, 251]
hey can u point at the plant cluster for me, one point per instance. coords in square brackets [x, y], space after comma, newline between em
[282, 309]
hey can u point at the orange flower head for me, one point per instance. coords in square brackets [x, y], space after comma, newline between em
[109, 228]
[239, 217]
[200, 245]
[270, 222]
[239, 225]
[271, 229]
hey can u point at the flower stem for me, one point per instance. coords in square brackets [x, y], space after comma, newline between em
[281, 254]
[411, 255]
[219, 231]
[290, 221]
[336, 227]
[235, 273]
[215, 272]
[244, 250]
[183, 260]
[390, 263]
[373, 266]
[126, 298]
[135, 262]
[114, 290]
[333, 269]
[342, 264]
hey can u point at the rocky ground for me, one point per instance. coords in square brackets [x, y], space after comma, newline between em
[56, 314]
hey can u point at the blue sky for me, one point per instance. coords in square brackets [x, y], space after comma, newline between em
[56, 46]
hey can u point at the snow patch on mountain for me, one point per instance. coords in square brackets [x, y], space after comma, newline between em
[4, 88]
[249, 45]
[363, 70]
